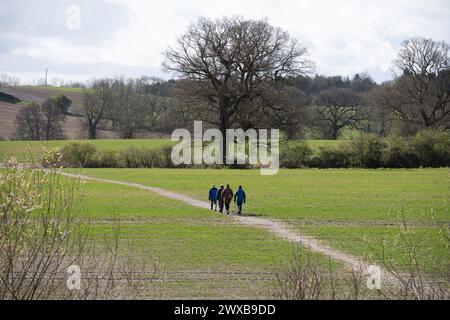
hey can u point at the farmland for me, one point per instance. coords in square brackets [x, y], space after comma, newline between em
[206, 255]
[352, 210]
[281, 152]
[199, 254]
[73, 127]
[325, 195]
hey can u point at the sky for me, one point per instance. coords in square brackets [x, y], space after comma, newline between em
[79, 40]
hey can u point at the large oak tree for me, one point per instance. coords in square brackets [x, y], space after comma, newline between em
[337, 109]
[227, 63]
[420, 94]
[96, 103]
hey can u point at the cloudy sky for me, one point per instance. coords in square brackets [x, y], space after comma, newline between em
[127, 37]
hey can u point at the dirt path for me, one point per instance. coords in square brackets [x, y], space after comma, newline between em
[276, 227]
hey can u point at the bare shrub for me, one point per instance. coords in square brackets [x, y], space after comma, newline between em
[308, 278]
[415, 279]
[304, 280]
[42, 234]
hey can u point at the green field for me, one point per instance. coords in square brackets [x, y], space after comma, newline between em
[352, 210]
[310, 194]
[202, 254]
[52, 88]
[366, 241]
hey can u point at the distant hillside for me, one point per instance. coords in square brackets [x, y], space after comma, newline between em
[8, 98]
[39, 94]
[9, 107]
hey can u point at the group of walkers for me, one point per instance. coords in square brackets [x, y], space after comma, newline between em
[222, 197]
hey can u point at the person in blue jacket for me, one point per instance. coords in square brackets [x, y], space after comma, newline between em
[213, 197]
[239, 197]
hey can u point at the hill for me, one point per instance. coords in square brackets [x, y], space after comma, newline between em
[4, 97]
[17, 97]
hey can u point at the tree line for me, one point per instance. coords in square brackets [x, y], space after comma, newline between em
[43, 121]
[235, 72]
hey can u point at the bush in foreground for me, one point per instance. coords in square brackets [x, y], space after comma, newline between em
[309, 278]
[42, 235]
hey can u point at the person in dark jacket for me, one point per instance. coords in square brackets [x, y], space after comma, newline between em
[220, 199]
[227, 196]
[239, 198]
[213, 197]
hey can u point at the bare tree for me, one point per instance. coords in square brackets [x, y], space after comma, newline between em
[362, 82]
[96, 103]
[128, 109]
[57, 82]
[121, 93]
[226, 61]
[337, 109]
[155, 100]
[380, 119]
[30, 123]
[54, 117]
[279, 105]
[43, 121]
[130, 105]
[421, 93]
[7, 80]
[132, 115]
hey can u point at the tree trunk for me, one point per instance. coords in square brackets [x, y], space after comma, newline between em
[223, 129]
[334, 134]
[92, 131]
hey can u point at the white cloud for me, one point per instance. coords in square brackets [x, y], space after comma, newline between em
[344, 37]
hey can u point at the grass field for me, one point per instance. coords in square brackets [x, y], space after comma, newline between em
[366, 241]
[206, 255]
[325, 195]
[52, 88]
[353, 210]
[202, 254]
